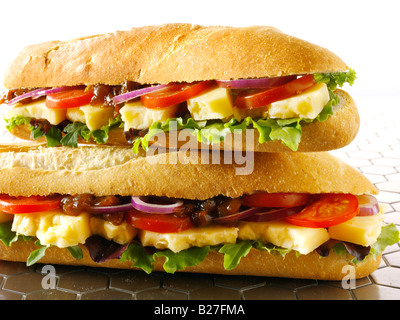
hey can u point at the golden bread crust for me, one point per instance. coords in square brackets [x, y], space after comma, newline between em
[102, 170]
[169, 53]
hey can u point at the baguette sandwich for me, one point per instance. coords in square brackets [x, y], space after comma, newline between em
[267, 91]
[299, 215]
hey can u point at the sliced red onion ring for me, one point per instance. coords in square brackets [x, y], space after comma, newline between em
[255, 83]
[37, 93]
[274, 214]
[137, 93]
[368, 205]
[47, 91]
[29, 94]
[140, 204]
[238, 215]
[110, 209]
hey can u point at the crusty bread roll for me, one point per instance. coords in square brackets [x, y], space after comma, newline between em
[169, 53]
[116, 170]
[33, 169]
[256, 263]
[336, 132]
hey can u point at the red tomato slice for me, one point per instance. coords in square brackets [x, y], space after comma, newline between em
[69, 99]
[249, 99]
[161, 223]
[275, 200]
[31, 204]
[174, 94]
[329, 210]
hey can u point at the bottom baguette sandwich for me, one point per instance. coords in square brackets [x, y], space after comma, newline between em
[297, 215]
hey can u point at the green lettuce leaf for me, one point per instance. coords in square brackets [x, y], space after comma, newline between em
[335, 79]
[182, 259]
[76, 252]
[36, 133]
[53, 137]
[140, 258]
[6, 235]
[174, 261]
[77, 129]
[234, 252]
[388, 237]
[36, 255]
[16, 121]
[259, 245]
[74, 131]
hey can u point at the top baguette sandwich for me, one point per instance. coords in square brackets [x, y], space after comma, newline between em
[299, 215]
[268, 91]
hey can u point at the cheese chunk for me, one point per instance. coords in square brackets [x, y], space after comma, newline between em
[306, 105]
[38, 110]
[195, 237]
[136, 116]
[214, 104]
[120, 234]
[93, 117]
[362, 230]
[53, 227]
[285, 235]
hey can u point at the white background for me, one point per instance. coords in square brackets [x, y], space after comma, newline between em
[365, 34]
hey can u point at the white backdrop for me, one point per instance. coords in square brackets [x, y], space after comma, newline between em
[363, 33]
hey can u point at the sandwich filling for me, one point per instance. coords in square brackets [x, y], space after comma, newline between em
[210, 110]
[139, 229]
